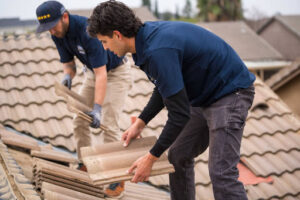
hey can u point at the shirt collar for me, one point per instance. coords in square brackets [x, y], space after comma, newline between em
[72, 27]
[139, 57]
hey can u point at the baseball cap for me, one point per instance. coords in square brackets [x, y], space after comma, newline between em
[48, 14]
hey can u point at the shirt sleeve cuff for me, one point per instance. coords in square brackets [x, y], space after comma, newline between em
[145, 117]
[157, 149]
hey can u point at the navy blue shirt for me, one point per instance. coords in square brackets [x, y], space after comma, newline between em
[88, 50]
[177, 55]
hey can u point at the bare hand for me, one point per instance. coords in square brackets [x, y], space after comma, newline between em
[141, 168]
[133, 131]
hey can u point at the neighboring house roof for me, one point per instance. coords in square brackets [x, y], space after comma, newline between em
[142, 12]
[257, 24]
[29, 66]
[291, 22]
[14, 22]
[284, 75]
[244, 40]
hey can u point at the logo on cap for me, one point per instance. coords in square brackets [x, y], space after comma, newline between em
[43, 17]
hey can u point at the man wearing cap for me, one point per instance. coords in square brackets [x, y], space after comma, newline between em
[203, 83]
[107, 76]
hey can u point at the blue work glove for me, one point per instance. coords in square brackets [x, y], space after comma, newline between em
[67, 81]
[95, 114]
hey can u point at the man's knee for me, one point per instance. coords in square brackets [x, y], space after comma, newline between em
[79, 122]
[179, 158]
[171, 155]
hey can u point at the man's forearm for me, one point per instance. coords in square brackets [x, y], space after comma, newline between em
[70, 68]
[178, 115]
[153, 107]
[100, 85]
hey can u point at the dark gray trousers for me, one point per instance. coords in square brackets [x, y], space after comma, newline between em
[220, 126]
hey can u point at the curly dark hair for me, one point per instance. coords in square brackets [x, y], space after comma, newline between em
[113, 15]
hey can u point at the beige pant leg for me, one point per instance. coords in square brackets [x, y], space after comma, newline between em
[80, 126]
[119, 83]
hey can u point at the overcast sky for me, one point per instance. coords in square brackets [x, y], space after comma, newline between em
[25, 9]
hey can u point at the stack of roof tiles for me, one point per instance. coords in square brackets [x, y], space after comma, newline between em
[108, 163]
[29, 66]
[13, 183]
[65, 177]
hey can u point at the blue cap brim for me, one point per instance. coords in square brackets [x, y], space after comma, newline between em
[46, 26]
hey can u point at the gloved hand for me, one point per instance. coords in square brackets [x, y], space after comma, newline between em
[67, 81]
[95, 114]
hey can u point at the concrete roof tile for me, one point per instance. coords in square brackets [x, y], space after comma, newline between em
[27, 77]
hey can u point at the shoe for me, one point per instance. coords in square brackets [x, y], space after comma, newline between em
[82, 167]
[115, 191]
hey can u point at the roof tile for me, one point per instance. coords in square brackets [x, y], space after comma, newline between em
[27, 76]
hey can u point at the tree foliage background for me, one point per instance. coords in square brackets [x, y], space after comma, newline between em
[147, 3]
[220, 10]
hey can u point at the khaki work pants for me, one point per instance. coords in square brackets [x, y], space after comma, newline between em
[118, 84]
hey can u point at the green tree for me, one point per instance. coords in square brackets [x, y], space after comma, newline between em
[187, 9]
[167, 15]
[147, 3]
[220, 10]
[177, 16]
[156, 13]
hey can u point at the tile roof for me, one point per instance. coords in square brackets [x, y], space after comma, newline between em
[284, 75]
[13, 183]
[244, 40]
[15, 21]
[29, 66]
[30, 145]
[58, 182]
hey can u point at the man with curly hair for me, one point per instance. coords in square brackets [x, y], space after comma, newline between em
[203, 83]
